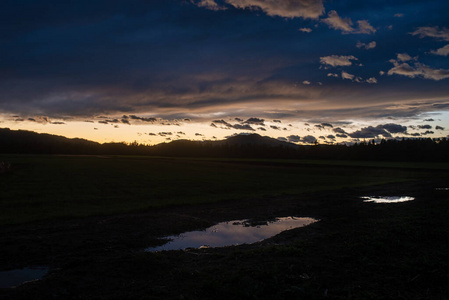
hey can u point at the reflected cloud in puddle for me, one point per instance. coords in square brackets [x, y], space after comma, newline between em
[232, 233]
[387, 199]
[17, 277]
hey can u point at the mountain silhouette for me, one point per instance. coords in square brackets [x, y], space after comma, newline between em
[238, 146]
[255, 140]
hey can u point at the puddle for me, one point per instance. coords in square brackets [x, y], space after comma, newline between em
[232, 233]
[387, 199]
[17, 277]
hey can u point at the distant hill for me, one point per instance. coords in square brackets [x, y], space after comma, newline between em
[22, 141]
[255, 140]
[252, 145]
[239, 146]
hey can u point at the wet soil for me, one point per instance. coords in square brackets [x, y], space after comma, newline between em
[356, 251]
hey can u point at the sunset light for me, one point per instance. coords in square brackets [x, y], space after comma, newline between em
[206, 69]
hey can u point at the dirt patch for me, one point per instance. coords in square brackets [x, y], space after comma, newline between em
[357, 250]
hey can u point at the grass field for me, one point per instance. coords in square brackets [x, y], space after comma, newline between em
[55, 187]
[357, 250]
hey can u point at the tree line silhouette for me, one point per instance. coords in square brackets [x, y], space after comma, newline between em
[242, 146]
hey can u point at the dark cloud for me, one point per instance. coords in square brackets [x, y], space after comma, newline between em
[242, 127]
[309, 139]
[428, 132]
[439, 128]
[277, 121]
[294, 138]
[339, 130]
[164, 133]
[425, 126]
[255, 121]
[150, 120]
[384, 130]
[370, 132]
[283, 139]
[222, 122]
[261, 128]
[57, 123]
[235, 126]
[275, 127]
[394, 128]
[340, 135]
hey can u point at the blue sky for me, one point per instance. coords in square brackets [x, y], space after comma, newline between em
[203, 69]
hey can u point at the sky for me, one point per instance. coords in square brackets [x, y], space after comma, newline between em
[150, 71]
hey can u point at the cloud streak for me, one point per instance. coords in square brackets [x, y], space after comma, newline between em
[208, 4]
[418, 70]
[336, 22]
[370, 45]
[307, 9]
[338, 60]
[444, 51]
[433, 32]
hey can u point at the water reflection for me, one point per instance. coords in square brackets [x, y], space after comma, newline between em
[17, 277]
[387, 199]
[232, 233]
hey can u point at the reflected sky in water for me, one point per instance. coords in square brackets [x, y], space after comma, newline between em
[17, 277]
[387, 199]
[232, 233]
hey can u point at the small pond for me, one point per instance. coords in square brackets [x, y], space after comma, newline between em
[232, 233]
[387, 199]
[17, 277]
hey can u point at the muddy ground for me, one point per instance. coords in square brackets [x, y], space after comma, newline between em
[356, 251]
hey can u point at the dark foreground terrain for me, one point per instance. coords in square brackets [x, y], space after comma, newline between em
[356, 251]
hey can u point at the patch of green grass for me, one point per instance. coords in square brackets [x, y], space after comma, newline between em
[50, 187]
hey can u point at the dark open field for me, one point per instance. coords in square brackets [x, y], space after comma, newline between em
[88, 218]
